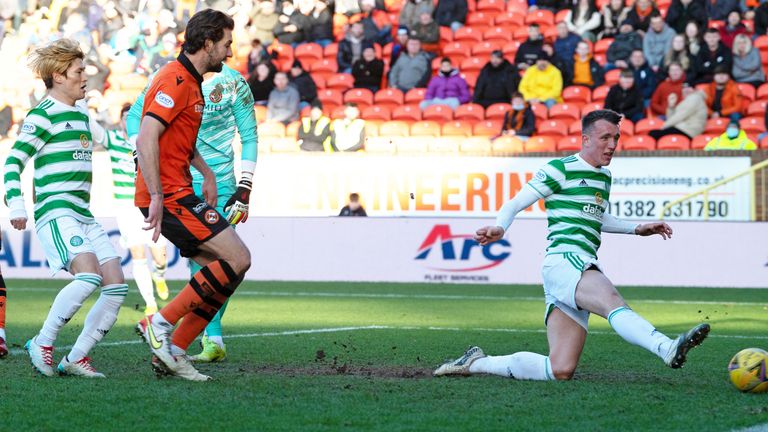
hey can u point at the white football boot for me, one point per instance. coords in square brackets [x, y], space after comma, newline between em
[80, 368]
[41, 357]
[461, 365]
[676, 356]
[158, 339]
[183, 368]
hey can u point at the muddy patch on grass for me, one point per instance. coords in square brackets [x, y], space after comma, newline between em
[345, 370]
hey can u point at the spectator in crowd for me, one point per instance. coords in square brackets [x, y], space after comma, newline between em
[520, 120]
[377, 27]
[723, 96]
[304, 84]
[645, 78]
[315, 131]
[292, 25]
[565, 42]
[320, 24]
[718, 10]
[283, 104]
[583, 19]
[625, 97]
[528, 51]
[614, 13]
[451, 13]
[684, 118]
[761, 19]
[711, 55]
[412, 10]
[542, 83]
[497, 82]
[261, 82]
[657, 41]
[680, 12]
[673, 84]
[351, 47]
[584, 70]
[263, 22]
[398, 46]
[368, 71]
[732, 28]
[426, 30]
[677, 53]
[347, 7]
[639, 16]
[747, 65]
[413, 68]
[623, 44]
[257, 55]
[734, 138]
[348, 132]
[554, 58]
[354, 208]
[446, 88]
[550, 5]
[693, 38]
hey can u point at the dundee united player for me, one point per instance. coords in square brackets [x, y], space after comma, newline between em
[173, 111]
[56, 134]
[576, 190]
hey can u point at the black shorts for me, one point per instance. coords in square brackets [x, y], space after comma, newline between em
[189, 222]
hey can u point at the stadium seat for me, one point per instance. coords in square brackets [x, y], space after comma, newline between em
[468, 34]
[500, 35]
[372, 127]
[494, 6]
[540, 111]
[360, 96]
[458, 128]
[487, 128]
[479, 19]
[701, 141]
[753, 124]
[577, 94]
[472, 64]
[761, 42]
[542, 17]
[639, 142]
[762, 92]
[520, 34]
[338, 112]
[642, 127]
[507, 144]
[380, 145]
[281, 51]
[612, 77]
[764, 143]
[308, 53]
[325, 68]
[592, 106]
[756, 108]
[415, 95]
[497, 111]
[443, 145]
[458, 49]
[394, 128]
[674, 142]
[408, 146]
[271, 129]
[601, 59]
[446, 35]
[569, 143]
[330, 96]
[390, 97]
[292, 130]
[341, 81]
[537, 144]
[575, 128]
[561, 15]
[407, 112]
[331, 51]
[470, 111]
[518, 6]
[627, 128]
[602, 45]
[483, 49]
[441, 113]
[553, 128]
[376, 112]
[509, 19]
[716, 126]
[565, 111]
[261, 113]
[600, 93]
[510, 49]
[436, 64]
[747, 91]
[470, 77]
[475, 146]
[425, 128]
[319, 81]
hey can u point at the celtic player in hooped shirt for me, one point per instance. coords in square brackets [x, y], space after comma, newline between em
[576, 190]
[57, 136]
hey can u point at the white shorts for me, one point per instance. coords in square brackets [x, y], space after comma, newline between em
[130, 222]
[65, 237]
[561, 273]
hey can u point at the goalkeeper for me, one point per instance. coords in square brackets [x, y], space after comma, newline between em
[228, 105]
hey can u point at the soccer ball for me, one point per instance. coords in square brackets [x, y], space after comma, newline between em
[749, 370]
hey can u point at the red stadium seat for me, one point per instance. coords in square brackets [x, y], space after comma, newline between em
[540, 111]
[542, 17]
[753, 124]
[394, 129]
[599, 94]
[282, 51]
[472, 64]
[458, 49]
[338, 112]
[308, 53]
[510, 49]
[460, 128]
[325, 68]
[639, 142]
[540, 144]
[497, 111]
[674, 142]
[762, 91]
[436, 64]
[508, 19]
[479, 19]
[569, 143]
[425, 128]
[390, 97]
[507, 144]
[556, 128]
[626, 127]
[747, 91]
[441, 113]
[376, 112]
[497, 34]
[577, 94]
[494, 6]
[701, 141]
[612, 77]
[716, 126]
[341, 81]
[468, 34]
[407, 112]
[565, 111]
[360, 96]
[331, 50]
[592, 106]
[756, 108]
[484, 49]
[330, 96]
[470, 111]
[761, 42]
[642, 127]
[487, 128]
[561, 15]
[446, 35]
[764, 143]
[602, 45]
[575, 128]
[520, 34]
[415, 95]
[470, 77]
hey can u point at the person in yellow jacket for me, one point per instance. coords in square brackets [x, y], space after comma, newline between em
[543, 83]
[734, 138]
[315, 131]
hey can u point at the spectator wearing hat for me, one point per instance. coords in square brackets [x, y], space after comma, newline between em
[520, 120]
[497, 82]
[348, 132]
[315, 131]
[711, 55]
[351, 47]
[542, 83]
[368, 70]
[625, 97]
[451, 13]
[723, 96]
[284, 99]
[528, 51]
[303, 82]
[413, 68]
[446, 88]
[672, 85]
[398, 46]
[686, 117]
[583, 69]
[734, 138]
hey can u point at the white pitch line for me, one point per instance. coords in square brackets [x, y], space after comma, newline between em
[381, 327]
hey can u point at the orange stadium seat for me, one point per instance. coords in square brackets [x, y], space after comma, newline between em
[701, 141]
[497, 34]
[376, 112]
[648, 124]
[540, 144]
[407, 112]
[540, 111]
[556, 128]
[569, 143]
[509, 19]
[487, 128]
[747, 91]
[261, 113]
[479, 19]
[517, 6]
[577, 94]
[761, 42]
[337, 112]
[716, 125]
[600, 93]
[394, 128]
[612, 77]
[459, 128]
[626, 127]
[753, 124]
[575, 128]
[292, 130]
[415, 95]
[507, 144]
[764, 143]
[436, 64]
[561, 14]
[484, 49]
[319, 81]
[472, 64]
[497, 110]
[565, 111]
[756, 108]
[639, 142]
[325, 68]
[470, 111]
[674, 142]
[495, 6]
[468, 34]
[592, 106]
[542, 17]
[359, 96]
[282, 51]
[470, 77]
[475, 146]
[762, 91]
[341, 81]
[441, 113]
[330, 51]
[308, 53]
[425, 128]
[446, 35]
[330, 96]
[458, 49]
[510, 49]
[271, 129]
[602, 45]
[520, 34]
[390, 97]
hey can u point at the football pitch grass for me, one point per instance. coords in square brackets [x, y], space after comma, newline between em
[359, 356]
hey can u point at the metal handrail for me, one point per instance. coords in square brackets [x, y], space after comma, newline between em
[705, 192]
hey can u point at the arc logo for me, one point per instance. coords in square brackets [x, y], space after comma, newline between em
[444, 251]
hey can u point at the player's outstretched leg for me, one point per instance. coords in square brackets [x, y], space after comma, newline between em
[160, 264]
[3, 345]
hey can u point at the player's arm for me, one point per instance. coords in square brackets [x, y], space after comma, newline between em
[33, 135]
[98, 133]
[148, 156]
[612, 224]
[210, 190]
[236, 208]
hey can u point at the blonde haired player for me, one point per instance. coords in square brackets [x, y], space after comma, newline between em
[57, 136]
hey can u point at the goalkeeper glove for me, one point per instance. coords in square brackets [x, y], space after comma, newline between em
[237, 205]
